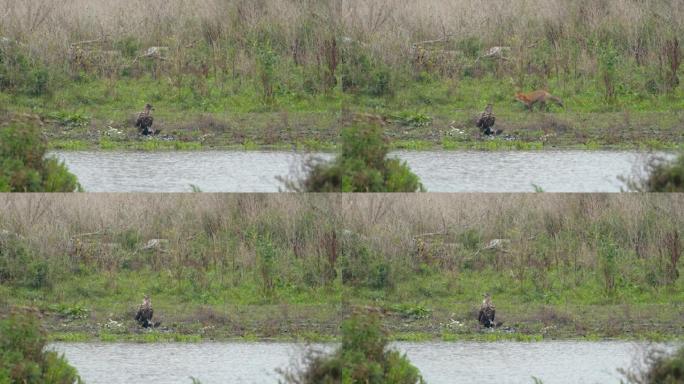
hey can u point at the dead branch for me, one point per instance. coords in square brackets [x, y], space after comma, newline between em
[88, 42]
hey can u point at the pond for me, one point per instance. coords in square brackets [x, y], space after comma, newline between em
[440, 171]
[553, 362]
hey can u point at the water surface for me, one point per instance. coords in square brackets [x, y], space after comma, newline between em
[554, 362]
[440, 171]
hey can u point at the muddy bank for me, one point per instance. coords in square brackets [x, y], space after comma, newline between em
[321, 323]
[320, 131]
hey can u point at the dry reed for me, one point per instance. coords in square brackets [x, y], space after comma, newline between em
[389, 26]
[390, 224]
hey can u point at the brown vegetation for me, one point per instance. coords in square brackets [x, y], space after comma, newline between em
[286, 264]
[317, 224]
[315, 31]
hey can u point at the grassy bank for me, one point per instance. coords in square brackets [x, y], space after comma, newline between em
[439, 121]
[291, 267]
[225, 74]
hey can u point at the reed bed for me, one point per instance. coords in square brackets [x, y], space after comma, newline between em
[218, 70]
[545, 38]
[315, 240]
[388, 24]
[292, 265]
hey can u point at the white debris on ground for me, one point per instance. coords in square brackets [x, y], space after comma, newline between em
[155, 244]
[495, 52]
[113, 132]
[498, 244]
[453, 131]
[453, 324]
[112, 324]
[156, 53]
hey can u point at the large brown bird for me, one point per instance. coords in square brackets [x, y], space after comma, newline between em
[487, 312]
[145, 313]
[486, 121]
[145, 120]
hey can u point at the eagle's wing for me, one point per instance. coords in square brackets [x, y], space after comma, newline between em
[139, 121]
[152, 313]
[480, 121]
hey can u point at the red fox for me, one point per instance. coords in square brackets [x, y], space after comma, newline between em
[534, 97]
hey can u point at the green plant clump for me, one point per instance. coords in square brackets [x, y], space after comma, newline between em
[662, 369]
[363, 357]
[23, 358]
[660, 175]
[666, 176]
[362, 166]
[24, 167]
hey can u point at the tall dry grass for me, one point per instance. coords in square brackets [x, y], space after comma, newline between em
[39, 216]
[390, 223]
[389, 26]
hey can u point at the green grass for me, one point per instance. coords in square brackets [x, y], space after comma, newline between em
[421, 115]
[69, 337]
[318, 146]
[415, 145]
[249, 89]
[193, 313]
[259, 267]
[315, 337]
[69, 145]
[148, 337]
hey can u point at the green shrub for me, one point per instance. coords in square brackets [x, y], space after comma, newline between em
[666, 176]
[662, 369]
[363, 268]
[608, 62]
[471, 46]
[410, 311]
[608, 258]
[74, 312]
[129, 47]
[471, 239]
[362, 166]
[660, 175]
[70, 120]
[362, 73]
[23, 358]
[20, 73]
[20, 266]
[411, 119]
[363, 357]
[266, 60]
[266, 258]
[129, 239]
[24, 167]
